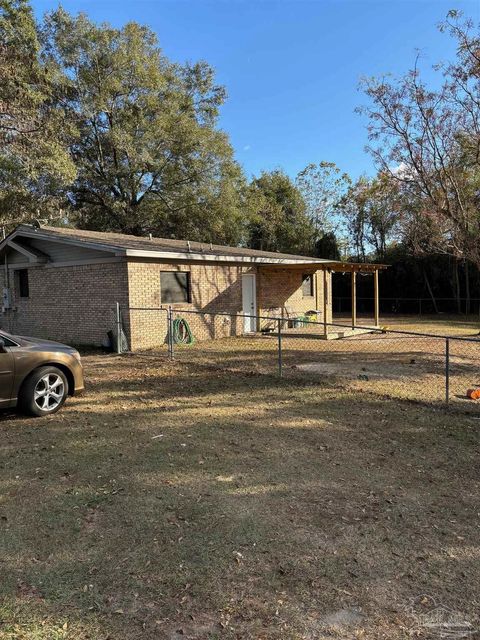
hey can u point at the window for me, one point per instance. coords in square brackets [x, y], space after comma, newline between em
[174, 286]
[22, 282]
[7, 341]
[307, 285]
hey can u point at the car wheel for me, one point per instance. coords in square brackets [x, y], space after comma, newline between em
[43, 392]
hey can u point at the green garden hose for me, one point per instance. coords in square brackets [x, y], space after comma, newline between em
[182, 334]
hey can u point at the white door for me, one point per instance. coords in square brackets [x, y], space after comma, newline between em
[249, 302]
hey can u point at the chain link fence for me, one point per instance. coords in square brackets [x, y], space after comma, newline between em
[422, 367]
[408, 306]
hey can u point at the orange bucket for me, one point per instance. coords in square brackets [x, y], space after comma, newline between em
[473, 394]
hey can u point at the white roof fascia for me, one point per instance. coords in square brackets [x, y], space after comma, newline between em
[209, 257]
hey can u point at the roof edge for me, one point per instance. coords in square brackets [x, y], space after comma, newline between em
[31, 232]
[211, 257]
[34, 232]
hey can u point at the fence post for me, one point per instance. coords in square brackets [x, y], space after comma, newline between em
[171, 354]
[119, 328]
[447, 371]
[279, 323]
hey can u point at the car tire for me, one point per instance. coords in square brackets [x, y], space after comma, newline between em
[44, 392]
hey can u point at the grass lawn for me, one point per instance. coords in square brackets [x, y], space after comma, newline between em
[442, 324]
[177, 500]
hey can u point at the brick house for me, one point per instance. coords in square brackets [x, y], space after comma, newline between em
[64, 284]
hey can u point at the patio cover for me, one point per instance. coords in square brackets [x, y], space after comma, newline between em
[338, 266]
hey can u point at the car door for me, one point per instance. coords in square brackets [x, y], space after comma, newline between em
[7, 371]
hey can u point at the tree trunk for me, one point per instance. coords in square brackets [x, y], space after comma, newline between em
[427, 282]
[467, 288]
[457, 288]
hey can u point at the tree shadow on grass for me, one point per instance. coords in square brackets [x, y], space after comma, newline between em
[241, 494]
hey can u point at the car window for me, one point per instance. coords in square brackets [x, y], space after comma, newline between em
[7, 341]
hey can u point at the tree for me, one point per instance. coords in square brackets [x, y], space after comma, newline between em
[35, 165]
[322, 187]
[278, 221]
[148, 154]
[353, 206]
[372, 209]
[428, 142]
[327, 247]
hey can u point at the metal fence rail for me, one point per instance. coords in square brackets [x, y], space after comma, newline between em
[399, 305]
[435, 369]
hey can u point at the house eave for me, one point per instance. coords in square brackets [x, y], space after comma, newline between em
[210, 257]
[184, 256]
[27, 233]
[33, 255]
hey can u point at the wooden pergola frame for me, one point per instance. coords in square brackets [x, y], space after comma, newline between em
[341, 267]
[353, 269]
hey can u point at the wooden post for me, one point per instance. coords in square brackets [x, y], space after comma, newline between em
[325, 301]
[376, 296]
[354, 299]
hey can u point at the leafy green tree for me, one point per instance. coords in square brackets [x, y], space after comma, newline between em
[327, 247]
[35, 165]
[354, 208]
[372, 209]
[149, 156]
[277, 215]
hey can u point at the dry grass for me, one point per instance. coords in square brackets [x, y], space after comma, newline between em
[440, 324]
[186, 501]
[390, 364]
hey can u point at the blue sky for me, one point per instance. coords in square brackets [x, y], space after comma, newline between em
[291, 67]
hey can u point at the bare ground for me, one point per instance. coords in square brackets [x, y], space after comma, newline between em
[182, 500]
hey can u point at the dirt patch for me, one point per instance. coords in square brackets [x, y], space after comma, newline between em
[342, 618]
[25, 590]
[358, 371]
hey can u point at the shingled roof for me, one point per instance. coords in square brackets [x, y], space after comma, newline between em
[166, 248]
[123, 241]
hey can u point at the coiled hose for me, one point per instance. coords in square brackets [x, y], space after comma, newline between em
[182, 334]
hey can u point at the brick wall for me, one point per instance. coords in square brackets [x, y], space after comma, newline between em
[280, 290]
[215, 289]
[280, 293]
[73, 304]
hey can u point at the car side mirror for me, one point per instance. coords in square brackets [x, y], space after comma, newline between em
[3, 348]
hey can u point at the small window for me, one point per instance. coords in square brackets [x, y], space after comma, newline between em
[22, 278]
[175, 286]
[307, 286]
[7, 341]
